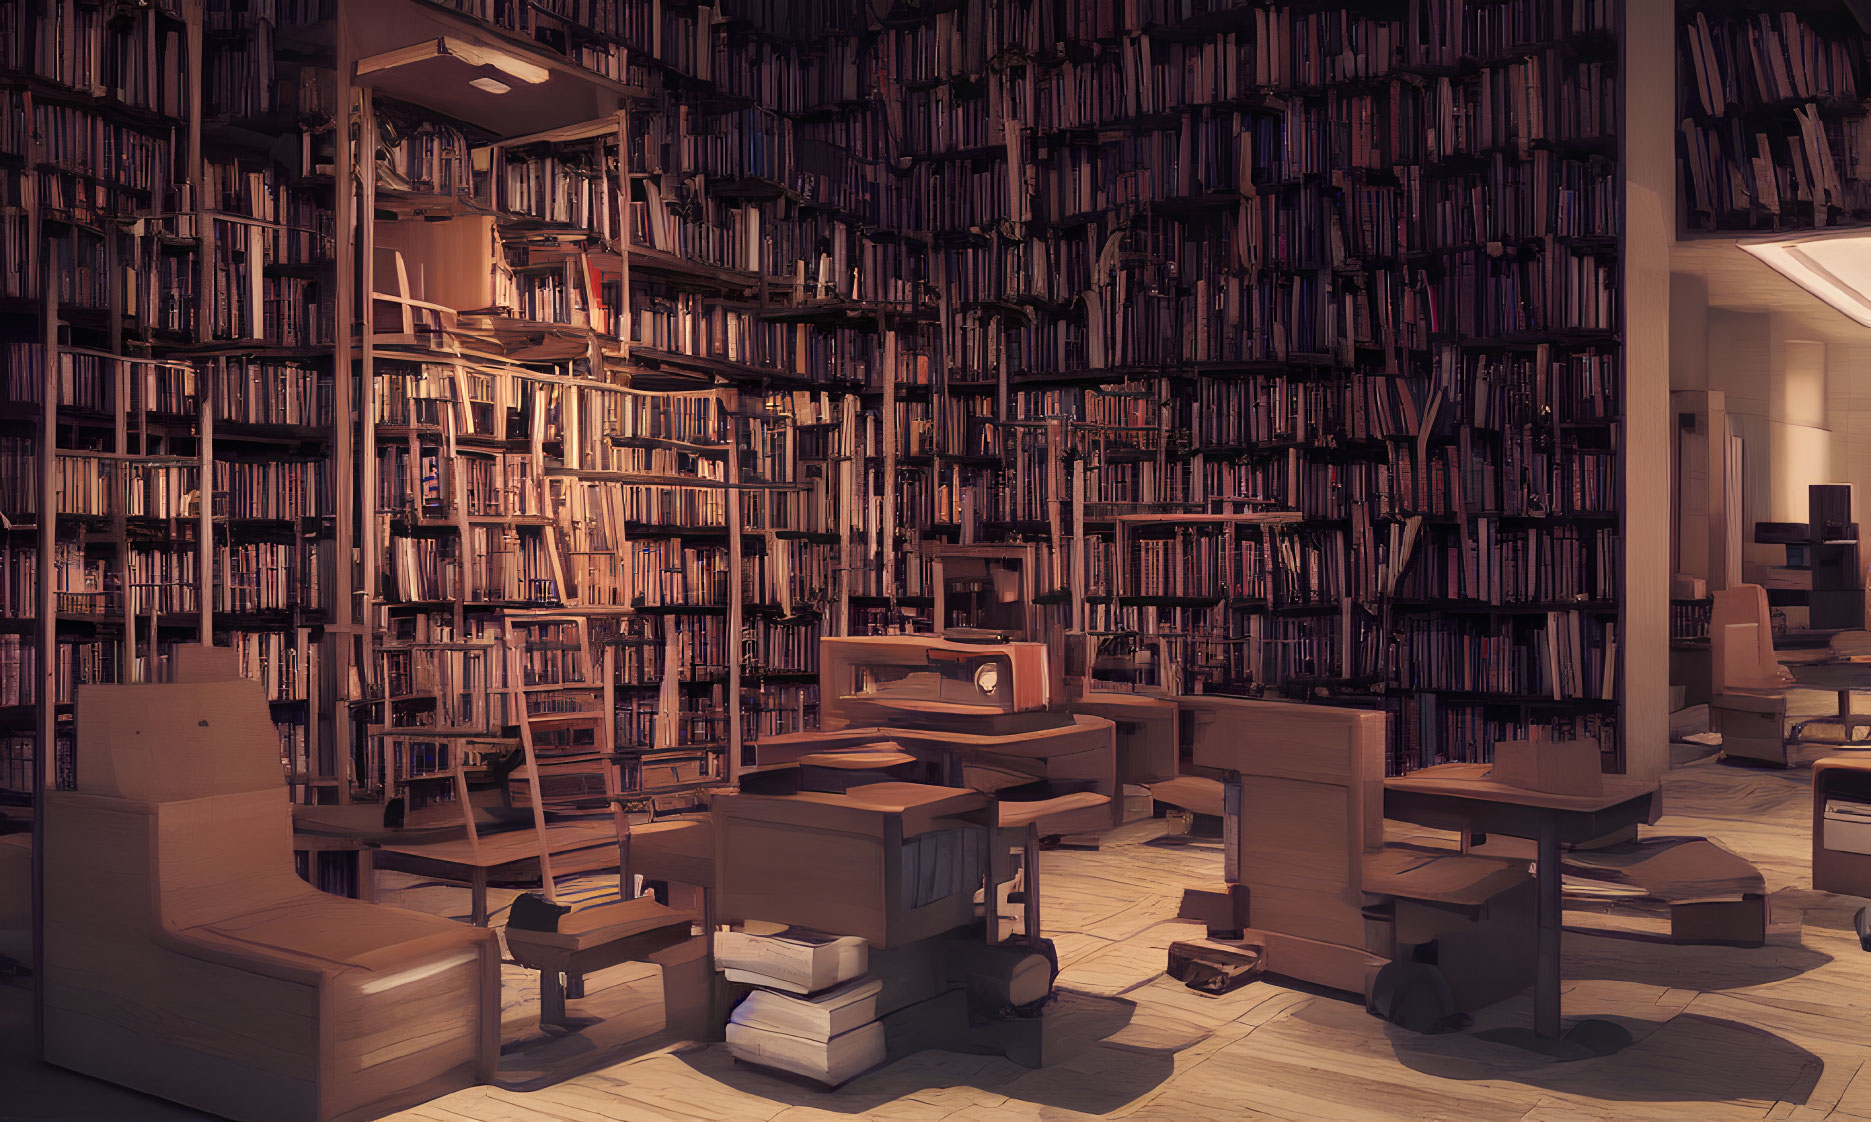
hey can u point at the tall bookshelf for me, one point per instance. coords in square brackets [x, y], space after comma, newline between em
[701, 331]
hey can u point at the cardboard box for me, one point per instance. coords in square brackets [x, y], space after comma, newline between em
[1559, 767]
[1221, 907]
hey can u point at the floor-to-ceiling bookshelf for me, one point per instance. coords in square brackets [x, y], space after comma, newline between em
[696, 332]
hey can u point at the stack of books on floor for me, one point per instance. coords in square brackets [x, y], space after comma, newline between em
[813, 1010]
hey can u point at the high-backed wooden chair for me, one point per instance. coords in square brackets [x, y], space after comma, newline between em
[1747, 698]
[1328, 900]
[185, 958]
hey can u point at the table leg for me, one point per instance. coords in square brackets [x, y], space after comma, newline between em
[478, 886]
[366, 876]
[1029, 862]
[1546, 974]
[551, 998]
[998, 873]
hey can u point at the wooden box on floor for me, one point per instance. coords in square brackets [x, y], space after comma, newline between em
[1752, 725]
[849, 863]
[185, 959]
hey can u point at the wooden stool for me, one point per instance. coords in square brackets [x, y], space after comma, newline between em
[590, 940]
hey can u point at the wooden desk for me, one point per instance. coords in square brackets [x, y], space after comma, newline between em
[1076, 750]
[577, 847]
[1462, 797]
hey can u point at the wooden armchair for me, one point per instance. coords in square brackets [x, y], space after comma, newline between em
[185, 958]
[1328, 900]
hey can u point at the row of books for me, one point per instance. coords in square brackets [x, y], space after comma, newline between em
[1506, 566]
[282, 311]
[73, 139]
[250, 81]
[79, 662]
[1189, 564]
[414, 153]
[487, 568]
[696, 647]
[163, 581]
[789, 574]
[1805, 168]
[285, 663]
[1562, 655]
[92, 485]
[275, 489]
[782, 709]
[792, 648]
[1765, 59]
[136, 57]
[288, 227]
[254, 391]
[1439, 729]
[1520, 478]
[669, 573]
[269, 576]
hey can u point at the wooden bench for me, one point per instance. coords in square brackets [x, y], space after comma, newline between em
[593, 939]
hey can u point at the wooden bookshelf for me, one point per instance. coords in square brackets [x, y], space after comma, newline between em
[1292, 334]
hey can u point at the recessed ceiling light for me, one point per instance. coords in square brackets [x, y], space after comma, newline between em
[491, 85]
[1833, 265]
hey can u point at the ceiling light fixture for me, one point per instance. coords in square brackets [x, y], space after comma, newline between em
[1833, 265]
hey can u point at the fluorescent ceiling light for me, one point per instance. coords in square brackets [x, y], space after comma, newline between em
[491, 85]
[1833, 265]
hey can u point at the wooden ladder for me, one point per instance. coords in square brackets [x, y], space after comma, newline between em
[601, 723]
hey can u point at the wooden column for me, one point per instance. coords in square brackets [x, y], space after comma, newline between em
[735, 605]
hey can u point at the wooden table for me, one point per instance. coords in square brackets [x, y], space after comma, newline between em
[1841, 676]
[1463, 797]
[357, 829]
[577, 847]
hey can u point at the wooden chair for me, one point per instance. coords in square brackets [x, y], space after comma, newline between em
[1747, 698]
[185, 959]
[1328, 900]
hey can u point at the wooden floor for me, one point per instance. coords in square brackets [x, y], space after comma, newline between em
[1782, 1032]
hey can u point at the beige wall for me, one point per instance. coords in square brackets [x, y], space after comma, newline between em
[1801, 405]
[1649, 152]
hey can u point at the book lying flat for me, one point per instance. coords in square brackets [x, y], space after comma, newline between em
[829, 1061]
[795, 959]
[819, 1017]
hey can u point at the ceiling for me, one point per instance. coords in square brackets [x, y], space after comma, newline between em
[1740, 282]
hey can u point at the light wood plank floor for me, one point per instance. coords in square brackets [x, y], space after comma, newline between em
[1780, 1032]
